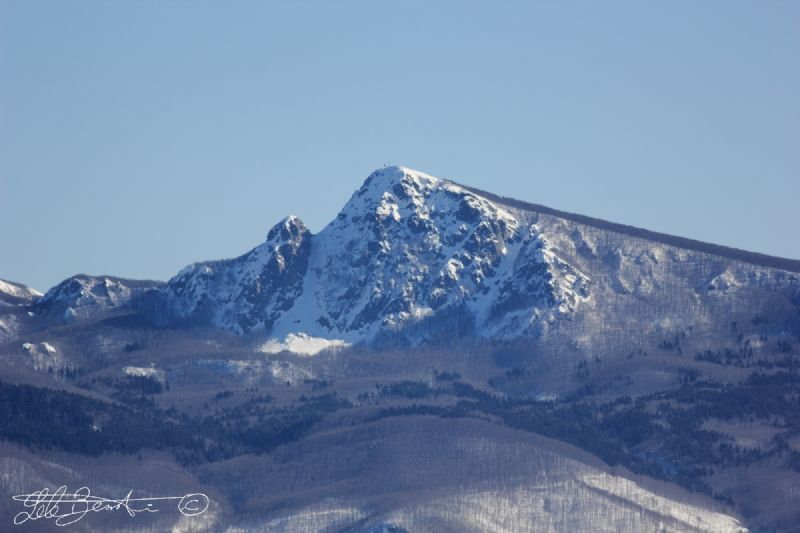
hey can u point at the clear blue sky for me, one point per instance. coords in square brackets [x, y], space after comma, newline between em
[137, 137]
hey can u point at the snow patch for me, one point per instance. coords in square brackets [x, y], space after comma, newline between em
[49, 348]
[302, 344]
[144, 372]
[45, 357]
[42, 347]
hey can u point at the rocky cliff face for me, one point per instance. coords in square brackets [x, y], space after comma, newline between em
[246, 293]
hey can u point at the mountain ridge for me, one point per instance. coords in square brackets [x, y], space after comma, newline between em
[412, 257]
[732, 252]
[739, 254]
[406, 246]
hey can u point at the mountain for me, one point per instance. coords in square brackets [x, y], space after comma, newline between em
[17, 294]
[14, 298]
[437, 358]
[407, 252]
[82, 296]
[251, 291]
[412, 259]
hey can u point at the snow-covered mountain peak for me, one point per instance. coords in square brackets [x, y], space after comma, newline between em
[289, 230]
[387, 177]
[408, 246]
[82, 296]
[17, 294]
[409, 254]
[248, 292]
[396, 193]
[86, 287]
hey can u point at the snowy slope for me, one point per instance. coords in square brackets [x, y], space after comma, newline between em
[17, 294]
